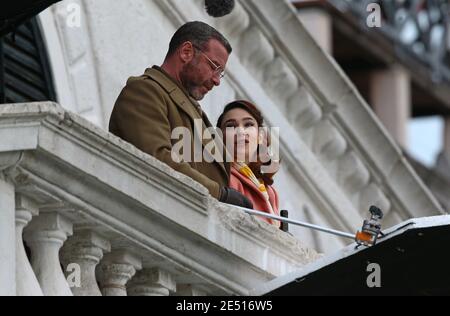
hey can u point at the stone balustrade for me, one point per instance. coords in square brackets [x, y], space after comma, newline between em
[99, 217]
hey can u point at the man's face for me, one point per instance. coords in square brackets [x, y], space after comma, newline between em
[203, 72]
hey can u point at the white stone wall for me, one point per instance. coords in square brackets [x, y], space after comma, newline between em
[327, 178]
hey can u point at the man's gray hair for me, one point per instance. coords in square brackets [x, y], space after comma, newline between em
[199, 34]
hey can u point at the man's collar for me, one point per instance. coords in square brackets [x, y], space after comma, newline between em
[169, 83]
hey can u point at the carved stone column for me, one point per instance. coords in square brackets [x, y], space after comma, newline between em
[45, 236]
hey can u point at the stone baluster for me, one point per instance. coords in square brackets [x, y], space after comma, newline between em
[234, 24]
[115, 270]
[281, 80]
[352, 173]
[26, 281]
[328, 141]
[45, 236]
[256, 51]
[303, 110]
[152, 282]
[83, 252]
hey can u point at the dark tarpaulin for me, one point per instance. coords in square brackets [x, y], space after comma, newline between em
[14, 13]
[413, 260]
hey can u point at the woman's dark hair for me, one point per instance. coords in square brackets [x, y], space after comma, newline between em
[199, 34]
[256, 114]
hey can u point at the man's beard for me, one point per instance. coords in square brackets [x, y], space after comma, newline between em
[191, 82]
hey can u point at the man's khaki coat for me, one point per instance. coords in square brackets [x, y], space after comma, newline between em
[145, 114]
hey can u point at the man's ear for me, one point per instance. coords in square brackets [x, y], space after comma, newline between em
[187, 52]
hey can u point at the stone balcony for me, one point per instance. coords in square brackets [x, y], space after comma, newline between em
[100, 217]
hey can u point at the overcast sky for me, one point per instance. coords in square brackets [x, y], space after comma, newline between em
[425, 139]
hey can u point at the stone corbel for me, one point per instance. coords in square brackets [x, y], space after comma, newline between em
[9, 161]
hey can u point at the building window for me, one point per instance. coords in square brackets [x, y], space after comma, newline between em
[25, 74]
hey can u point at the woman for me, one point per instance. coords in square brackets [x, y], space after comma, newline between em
[247, 142]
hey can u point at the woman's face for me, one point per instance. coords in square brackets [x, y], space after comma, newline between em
[240, 133]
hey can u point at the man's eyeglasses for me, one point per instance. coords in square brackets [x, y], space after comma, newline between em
[218, 70]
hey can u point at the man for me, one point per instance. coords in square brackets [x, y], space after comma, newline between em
[151, 106]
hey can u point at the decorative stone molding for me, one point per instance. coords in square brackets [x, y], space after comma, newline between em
[9, 160]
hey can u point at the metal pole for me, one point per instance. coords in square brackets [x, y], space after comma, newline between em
[298, 223]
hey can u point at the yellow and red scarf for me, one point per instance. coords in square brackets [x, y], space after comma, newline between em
[245, 170]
